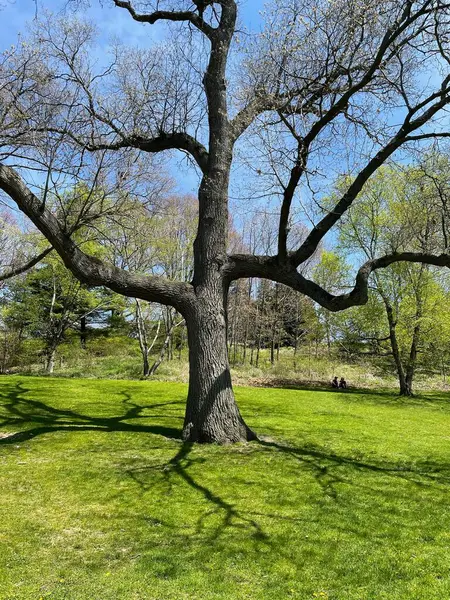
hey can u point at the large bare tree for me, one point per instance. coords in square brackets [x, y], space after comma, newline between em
[358, 77]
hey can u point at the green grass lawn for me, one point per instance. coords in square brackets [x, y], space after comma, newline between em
[347, 497]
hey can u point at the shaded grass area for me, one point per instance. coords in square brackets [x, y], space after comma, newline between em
[345, 497]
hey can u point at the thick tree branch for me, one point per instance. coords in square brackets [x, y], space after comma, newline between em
[288, 195]
[268, 267]
[88, 269]
[259, 104]
[167, 15]
[164, 141]
[310, 244]
[26, 266]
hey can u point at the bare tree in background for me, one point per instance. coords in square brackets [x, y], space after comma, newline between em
[322, 77]
[171, 225]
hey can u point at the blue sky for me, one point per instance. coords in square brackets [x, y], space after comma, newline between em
[111, 21]
[116, 23]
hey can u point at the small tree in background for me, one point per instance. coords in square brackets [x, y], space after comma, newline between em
[48, 301]
[401, 207]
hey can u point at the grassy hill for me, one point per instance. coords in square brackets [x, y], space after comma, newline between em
[345, 497]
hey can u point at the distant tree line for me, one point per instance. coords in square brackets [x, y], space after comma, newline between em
[404, 325]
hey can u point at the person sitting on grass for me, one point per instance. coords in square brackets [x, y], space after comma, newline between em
[334, 383]
[343, 384]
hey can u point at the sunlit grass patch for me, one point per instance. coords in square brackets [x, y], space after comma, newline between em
[345, 497]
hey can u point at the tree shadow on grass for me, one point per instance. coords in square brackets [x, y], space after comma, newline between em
[35, 417]
[223, 520]
[330, 470]
[230, 517]
[334, 473]
[327, 467]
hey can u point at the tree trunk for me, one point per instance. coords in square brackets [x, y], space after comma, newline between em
[168, 345]
[180, 347]
[244, 342]
[328, 334]
[247, 319]
[274, 327]
[5, 352]
[211, 411]
[256, 335]
[145, 365]
[83, 332]
[411, 366]
[50, 363]
[155, 366]
[142, 338]
[405, 390]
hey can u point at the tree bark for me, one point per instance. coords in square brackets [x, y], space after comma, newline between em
[142, 338]
[83, 332]
[412, 360]
[405, 390]
[50, 363]
[5, 351]
[260, 326]
[274, 312]
[211, 412]
[247, 319]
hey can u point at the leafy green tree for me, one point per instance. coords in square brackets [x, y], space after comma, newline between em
[332, 273]
[49, 300]
[171, 225]
[362, 330]
[398, 209]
